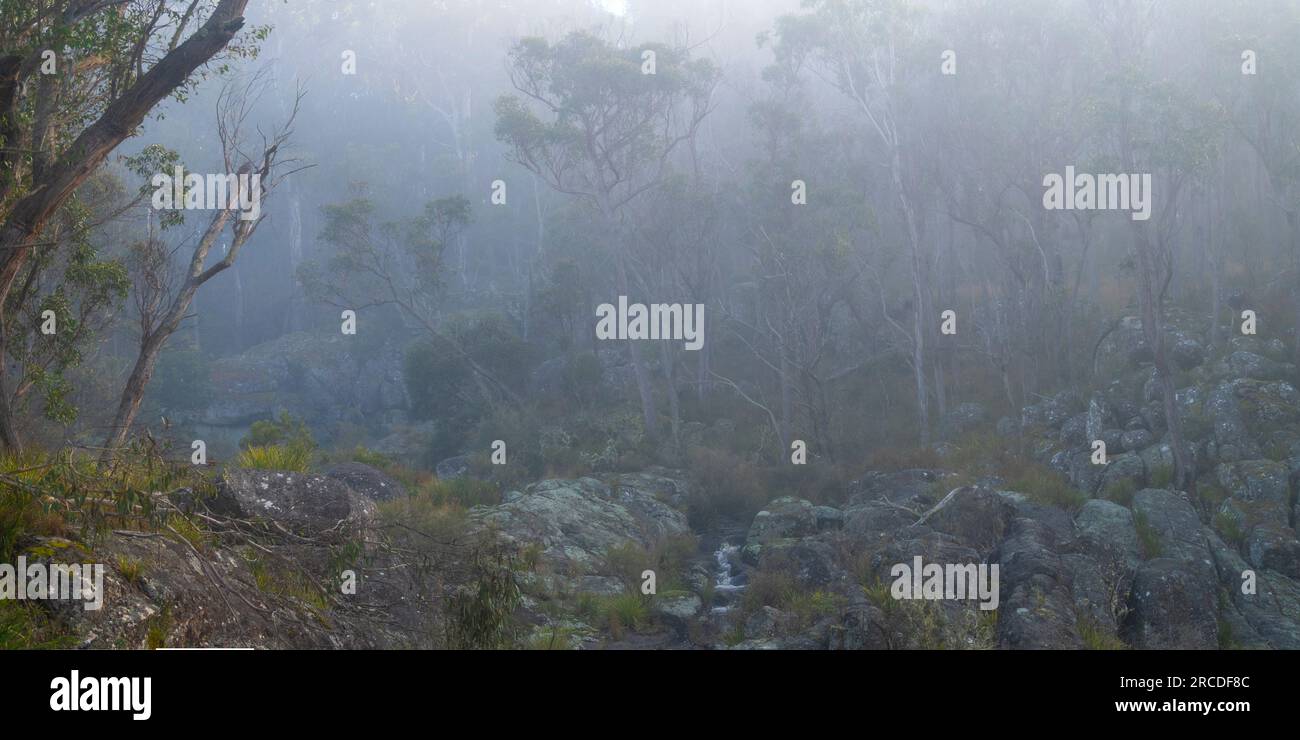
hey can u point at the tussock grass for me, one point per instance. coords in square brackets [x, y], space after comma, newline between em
[291, 457]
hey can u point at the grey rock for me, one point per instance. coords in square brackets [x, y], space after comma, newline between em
[790, 517]
[1231, 436]
[367, 481]
[1037, 607]
[1107, 532]
[1126, 467]
[1258, 492]
[302, 502]
[1272, 611]
[676, 611]
[1173, 606]
[1173, 522]
[578, 522]
[1135, 440]
[1257, 367]
[453, 467]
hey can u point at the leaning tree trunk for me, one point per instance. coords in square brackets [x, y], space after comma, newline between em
[133, 393]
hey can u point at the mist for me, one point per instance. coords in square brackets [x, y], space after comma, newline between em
[662, 324]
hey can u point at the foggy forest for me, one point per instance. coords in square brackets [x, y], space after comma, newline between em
[650, 324]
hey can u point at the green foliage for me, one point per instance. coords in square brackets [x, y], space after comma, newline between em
[293, 456]
[1148, 537]
[1121, 491]
[582, 376]
[443, 385]
[1046, 486]
[25, 625]
[481, 616]
[68, 494]
[422, 524]
[669, 559]
[131, 569]
[366, 456]
[1096, 638]
[286, 429]
[286, 580]
[618, 613]
[77, 292]
[283, 443]
[1162, 476]
[157, 628]
[1229, 528]
[463, 492]
[564, 301]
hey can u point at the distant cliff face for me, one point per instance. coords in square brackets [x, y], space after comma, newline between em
[332, 382]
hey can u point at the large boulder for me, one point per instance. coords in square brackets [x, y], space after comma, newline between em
[1232, 438]
[1037, 607]
[1269, 616]
[453, 467]
[1173, 602]
[305, 503]
[676, 610]
[1107, 532]
[1258, 492]
[1126, 469]
[789, 517]
[1171, 525]
[1173, 606]
[976, 516]
[576, 523]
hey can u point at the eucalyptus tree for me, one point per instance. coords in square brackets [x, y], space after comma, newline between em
[65, 296]
[1258, 85]
[77, 77]
[1150, 128]
[601, 123]
[864, 49]
[165, 283]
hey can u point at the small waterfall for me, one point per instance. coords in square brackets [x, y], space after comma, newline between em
[728, 582]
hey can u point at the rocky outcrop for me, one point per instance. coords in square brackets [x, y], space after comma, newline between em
[269, 575]
[302, 502]
[1240, 413]
[576, 523]
[304, 374]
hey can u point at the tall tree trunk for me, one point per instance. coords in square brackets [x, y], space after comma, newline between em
[128, 406]
[918, 295]
[10, 437]
[1153, 327]
[670, 375]
[642, 374]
